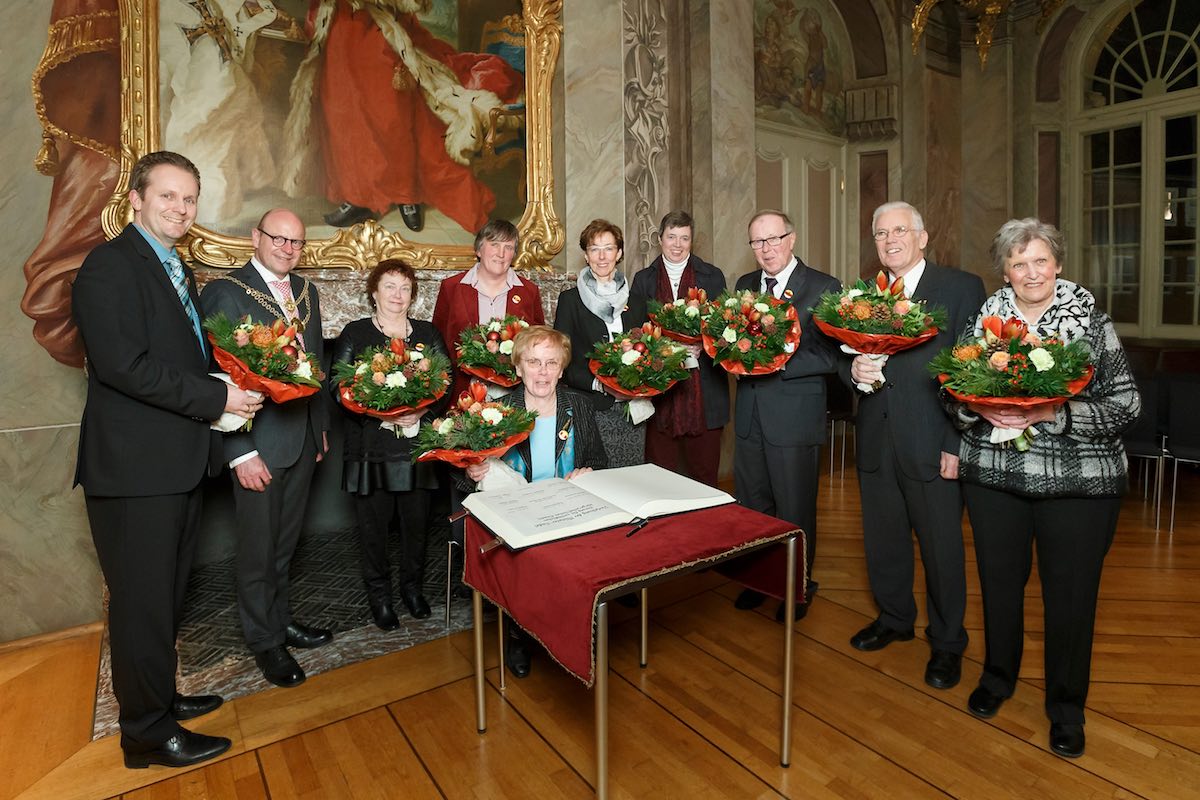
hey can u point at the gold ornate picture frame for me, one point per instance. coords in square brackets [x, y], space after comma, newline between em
[361, 245]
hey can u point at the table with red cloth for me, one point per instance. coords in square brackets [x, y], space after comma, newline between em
[558, 591]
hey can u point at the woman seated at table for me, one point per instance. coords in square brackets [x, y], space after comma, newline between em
[377, 465]
[1062, 496]
[600, 308]
[565, 441]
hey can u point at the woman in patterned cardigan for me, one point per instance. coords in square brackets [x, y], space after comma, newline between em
[1062, 495]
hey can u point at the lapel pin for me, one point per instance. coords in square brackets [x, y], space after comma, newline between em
[563, 434]
[516, 298]
[787, 294]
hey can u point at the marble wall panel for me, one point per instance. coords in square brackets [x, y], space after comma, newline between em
[944, 181]
[593, 119]
[987, 158]
[49, 576]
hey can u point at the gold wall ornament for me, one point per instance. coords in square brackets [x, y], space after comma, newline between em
[365, 244]
[987, 11]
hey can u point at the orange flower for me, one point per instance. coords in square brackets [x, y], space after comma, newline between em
[862, 310]
[998, 361]
[262, 336]
[968, 352]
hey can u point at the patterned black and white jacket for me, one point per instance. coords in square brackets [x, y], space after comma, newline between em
[1079, 453]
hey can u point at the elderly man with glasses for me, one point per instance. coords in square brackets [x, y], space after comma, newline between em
[779, 418]
[273, 463]
[907, 459]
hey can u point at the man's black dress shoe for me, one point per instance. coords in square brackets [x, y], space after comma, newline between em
[516, 657]
[278, 667]
[801, 610]
[348, 214]
[983, 703]
[877, 636]
[306, 637]
[1066, 739]
[185, 707]
[412, 215]
[749, 599]
[181, 750]
[384, 615]
[944, 669]
[416, 603]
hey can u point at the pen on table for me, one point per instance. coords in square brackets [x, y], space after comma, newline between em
[638, 523]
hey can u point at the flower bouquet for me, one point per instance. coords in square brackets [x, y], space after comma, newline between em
[681, 319]
[642, 362]
[264, 358]
[749, 333]
[485, 351]
[877, 319]
[473, 431]
[1011, 367]
[389, 382]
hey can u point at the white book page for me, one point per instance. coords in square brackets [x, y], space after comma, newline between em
[543, 512]
[647, 490]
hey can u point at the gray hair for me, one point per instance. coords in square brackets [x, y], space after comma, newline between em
[918, 222]
[1016, 234]
[771, 212]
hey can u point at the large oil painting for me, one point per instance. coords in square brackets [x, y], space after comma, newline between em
[392, 127]
[798, 65]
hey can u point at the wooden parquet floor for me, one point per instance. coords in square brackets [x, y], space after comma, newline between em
[701, 721]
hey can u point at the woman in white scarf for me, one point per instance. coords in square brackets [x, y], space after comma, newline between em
[598, 309]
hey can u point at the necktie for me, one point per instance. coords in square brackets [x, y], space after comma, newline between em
[288, 302]
[771, 284]
[175, 271]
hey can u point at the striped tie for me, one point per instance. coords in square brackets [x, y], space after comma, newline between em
[174, 269]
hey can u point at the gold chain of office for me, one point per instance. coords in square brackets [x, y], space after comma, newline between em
[269, 303]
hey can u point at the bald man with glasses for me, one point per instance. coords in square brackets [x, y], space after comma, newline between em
[779, 419]
[273, 463]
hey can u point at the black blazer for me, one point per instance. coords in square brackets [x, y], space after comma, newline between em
[145, 428]
[584, 329]
[791, 402]
[574, 409]
[907, 408]
[714, 381]
[279, 429]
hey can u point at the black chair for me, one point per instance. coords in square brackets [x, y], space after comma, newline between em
[841, 404]
[1145, 441]
[1183, 434]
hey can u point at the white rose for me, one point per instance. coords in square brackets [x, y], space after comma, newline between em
[506, 347]
[491, 416]
[303, 369]
[729, 335]
[1041, 359]
[854, 293]
[494, 325]
[762, 307]
[691, 311]
[523, 323]
[630, 356]
[731, 302]
[395, 379]
[445, 427]
[415, 355]
[362, 368]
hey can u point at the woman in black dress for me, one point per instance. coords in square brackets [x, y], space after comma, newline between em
[377, 465]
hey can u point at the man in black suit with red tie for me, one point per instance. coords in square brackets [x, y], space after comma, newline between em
[779, 419]
[144, 446]
[273, 463]
[907, 458]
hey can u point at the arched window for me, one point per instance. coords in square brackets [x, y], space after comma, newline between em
[1138, 134]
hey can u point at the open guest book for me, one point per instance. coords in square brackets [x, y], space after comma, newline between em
[554, 509]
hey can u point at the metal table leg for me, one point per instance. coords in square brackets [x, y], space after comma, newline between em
[645, 643]
[601, 698]
[789, 626]
[480, 713]
[500, 641]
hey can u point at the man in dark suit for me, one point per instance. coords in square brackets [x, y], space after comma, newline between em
[907, 457]
[144, 446]
[685, 434]
[273, 463]
[779, 418]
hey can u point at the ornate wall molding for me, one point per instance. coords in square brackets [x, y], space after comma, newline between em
[647, 128]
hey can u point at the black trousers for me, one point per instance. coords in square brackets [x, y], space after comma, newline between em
[375, 514]
[894, 506]
[1072, 536]
[145, 546]
[269, 524]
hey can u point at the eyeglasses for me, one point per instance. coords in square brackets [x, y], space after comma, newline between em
[770, 241]
[898, 231]
[278, 241]
[537, 365]
[606, 249]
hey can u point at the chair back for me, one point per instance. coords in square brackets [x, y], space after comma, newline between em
[1144, 438]
[1183, 431]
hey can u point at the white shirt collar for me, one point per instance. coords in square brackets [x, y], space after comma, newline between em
[782, 277]
[912, 278]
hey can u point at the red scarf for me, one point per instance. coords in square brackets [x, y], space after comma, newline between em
[680, 411]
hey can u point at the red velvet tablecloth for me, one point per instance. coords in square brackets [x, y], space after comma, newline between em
[551, 590]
